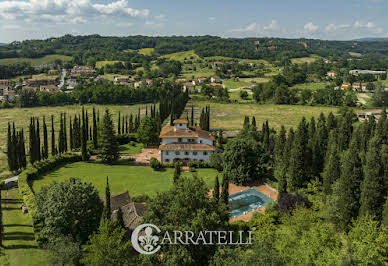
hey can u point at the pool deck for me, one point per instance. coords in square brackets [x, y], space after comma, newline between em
[265, 189]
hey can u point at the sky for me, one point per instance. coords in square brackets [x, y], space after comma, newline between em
[329, 19]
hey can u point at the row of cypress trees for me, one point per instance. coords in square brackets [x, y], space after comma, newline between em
[204, 119]
[349, 161]
[16, 149]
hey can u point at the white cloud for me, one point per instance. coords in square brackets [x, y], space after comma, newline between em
[359, 24]
[212, 18]
[160, 17]
[273, 26]
[250, 28]
[66, 11]
[334, 27]
[310, 27]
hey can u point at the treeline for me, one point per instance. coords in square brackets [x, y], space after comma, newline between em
[14, 70]
[349, 162]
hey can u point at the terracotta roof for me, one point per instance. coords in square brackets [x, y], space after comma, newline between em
[180, 121]
[186, 147]
[118, 200]
[190, 132]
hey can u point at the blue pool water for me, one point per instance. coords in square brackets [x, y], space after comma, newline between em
[247, 201]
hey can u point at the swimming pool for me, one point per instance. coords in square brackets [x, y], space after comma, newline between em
[247, 201]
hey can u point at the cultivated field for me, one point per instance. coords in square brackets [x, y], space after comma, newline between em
[48, 59]
[304, 59]
[231, 116]
[312, 86]
[100, 64]
[181, 56]
[137, 180]
[146, 51]
[21, 117]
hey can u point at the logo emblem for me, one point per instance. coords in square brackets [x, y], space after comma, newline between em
[145, 243]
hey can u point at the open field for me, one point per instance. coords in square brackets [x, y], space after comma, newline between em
[255, 61]
[48, 59]
[231, 116]
[136, 179]
[100, 64]
[131, 149]
[255, 80]
[355, 54]
[302, 60]
[21, 117]
[201, 72]
[312, 86]
[110, 77]
[147, 51]
[232, 84]
[181, 56]
[19, 243]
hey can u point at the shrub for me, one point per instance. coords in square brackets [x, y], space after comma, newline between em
[199, 164]
[289, 202]
[217, 161]
[155, 164]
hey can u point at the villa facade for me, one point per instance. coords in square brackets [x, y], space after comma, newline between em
[184, 143]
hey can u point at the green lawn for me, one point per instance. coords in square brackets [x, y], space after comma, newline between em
[232, 84]
[21, 117]
[199, 73]
[231, 116]
[48, 59]
[235, 96]
[136, 179]
[19, 244]
[181, 56]
[100, 64]
[312, 86]
[146, 51]
[131, 149]
[302, 60]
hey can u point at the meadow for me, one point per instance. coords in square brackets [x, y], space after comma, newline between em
[137, 180]
[231, 116]
[48, 59]
[21, 117]
[181, 56]
[312, 86]
[303, 60]
[100, 64]
[146, 51]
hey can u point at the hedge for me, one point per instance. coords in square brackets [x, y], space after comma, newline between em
[191, 164]
[34, 171]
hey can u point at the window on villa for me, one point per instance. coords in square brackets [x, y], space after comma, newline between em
[167, 160]
[166, 152]
[186, 153]
[205, 153]
[200, 141]
[180, 125]
[195, 153]
[177, 153]
[179, 140]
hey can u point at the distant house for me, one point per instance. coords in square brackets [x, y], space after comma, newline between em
[83, 70]
[138, 84]
[48, 88]
[9, 95]
[359, 86]
[189, 86]
[148, 82]
[180, 80]
[217, 63]
[53, 72]
[215, 79]
[4, 82]
[357, 72]
[198, 81]
[345, 86]
[36, 82]
[121, 79]
[331, 74]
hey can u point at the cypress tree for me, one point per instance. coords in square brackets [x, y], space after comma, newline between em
[109, 145]
[37, 149]
[177, 171]
[122, 125]
[131, 126]
[90, 134]
[95, 133]
[1, 220]
[64, 133]
[331, 122]
[84, 151]
[216, 191]
[381, 126]
[281, 162]
[71, 134]
[10, 147]
[345, 131]
[17, 154]
[107, 210]
[45, 139]
[60, 135]
[53, 149]
[192, 115]
[296, 174]
[372, 187]
[332, 169]
[349, 186]
[23, 150]
[220, 139]
[119, 219]
[225, 191]
[126, 124]
[254, 122]
[266, 136]
[87, 124]
[32, 141]
[246, 122]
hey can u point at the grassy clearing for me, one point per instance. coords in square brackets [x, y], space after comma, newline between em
[19, 243]
[110, 77]
[131, 149]
[147, 51]
[232, 84]
[48, 59]
[235, 96]
[231, 116]
[100, 64]
[255, 80]
[181, 56]
[21, 117]
[355, 54]
[225, 58]
[136, 179]
[201, 72]
[303, 60]
[312, 86]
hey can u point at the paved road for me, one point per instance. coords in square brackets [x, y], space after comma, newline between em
[63, 75]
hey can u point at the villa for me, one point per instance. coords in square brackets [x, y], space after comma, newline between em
[183, 143]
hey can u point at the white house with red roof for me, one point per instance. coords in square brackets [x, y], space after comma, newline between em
[181, 142]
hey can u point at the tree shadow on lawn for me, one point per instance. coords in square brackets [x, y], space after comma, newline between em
[17, 225]
[11, 201]
[19, 236]
[21, 247]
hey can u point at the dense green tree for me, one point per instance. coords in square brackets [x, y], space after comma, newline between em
[281, 161]
[107, 210]
[53, 148]
[108, 246]
[177, 171]
[225, 191]
[95, 129]
[216, 190]
[119, 219]
[109, 145]
[372, 187]
[70, 208]
[332, 169]
[45, 140]
[148, 133]
[64, 250]
[10, 149]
